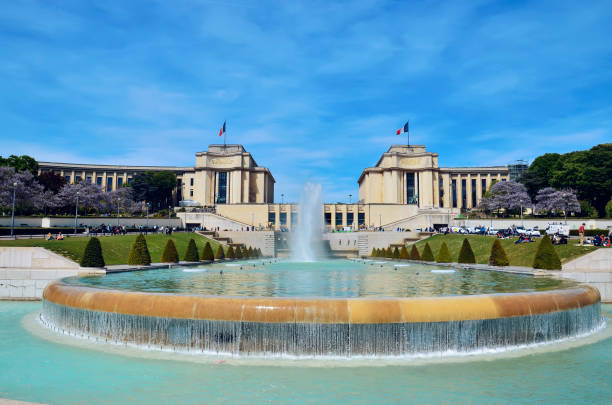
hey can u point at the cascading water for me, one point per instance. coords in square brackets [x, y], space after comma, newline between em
[306, 241]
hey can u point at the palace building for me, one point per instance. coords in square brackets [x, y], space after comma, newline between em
[405, 189]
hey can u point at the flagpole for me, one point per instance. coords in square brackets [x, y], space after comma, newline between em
[224, 134]
[408, 134]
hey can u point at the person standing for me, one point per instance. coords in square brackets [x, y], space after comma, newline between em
[581, 234]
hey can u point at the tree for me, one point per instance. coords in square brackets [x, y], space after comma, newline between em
[154, 187]
[191, 254]
[508, 195]
[609, 209]
[540, 173]
[389, 253]
[219, 254]
[21, 163]
[28, 192]
[498, 255]
[546, 256]
[52, 181]
[92, 256]
[250, 252]
[414, 253]
[91, 197]
[404, 253]
[139, 254]
[444, 255]
[374, 252]
[427, 253]
[587, 210]
[230, 253]
[557, 201]
[466, 254]
[239, 254]
[396, 253]
[207, 253]
[170, 254]
[259, 254]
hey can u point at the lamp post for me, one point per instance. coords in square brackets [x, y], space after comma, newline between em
[118, 205]
[350, 198]
[282, 199]
[76, 212]
[147, 209]
[13, 212]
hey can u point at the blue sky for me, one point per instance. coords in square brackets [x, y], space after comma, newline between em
[314, 89]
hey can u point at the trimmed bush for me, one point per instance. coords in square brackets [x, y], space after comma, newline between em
[414, 253]
[374, 252]
[92, 255]
[139, 254]
[191, 255]
[444, 255]
[230, 253]
[404, 253]
[389, 253]
[546, 256]
[170, 255]
[466, 254]
[239, 254]
[498, 255]
[427, 253]
[207, 253]
[219, 255]
[396, 253]
[590, 232]
[251, 252]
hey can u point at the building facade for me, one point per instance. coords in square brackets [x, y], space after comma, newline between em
[405, 189]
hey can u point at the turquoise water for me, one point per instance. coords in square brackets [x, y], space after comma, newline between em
[331, 278]
[36, 369]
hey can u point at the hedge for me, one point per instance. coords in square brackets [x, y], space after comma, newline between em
[546, 256]
[414, 253]
[374, 252]
[404, 253]
[230, 253]
[590, 232]
[498, 255]
[466, 254]
[170, 255]
[396, 253]
[239, 254]
[219, 255]
[139, 254]
[427, 253]
[191, 255]
[92, 255]
[207, 253]
[444, 255]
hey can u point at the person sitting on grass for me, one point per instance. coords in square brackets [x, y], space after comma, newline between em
[60, 236]
[49, 236]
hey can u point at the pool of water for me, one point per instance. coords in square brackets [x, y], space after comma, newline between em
[331, 278]
[35, 368]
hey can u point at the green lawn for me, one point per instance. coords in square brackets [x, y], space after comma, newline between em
[115, 248]
[521, 254]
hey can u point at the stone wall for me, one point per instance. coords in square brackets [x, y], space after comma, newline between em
[263, 240]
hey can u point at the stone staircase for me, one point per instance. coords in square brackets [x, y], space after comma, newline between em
[221, 240]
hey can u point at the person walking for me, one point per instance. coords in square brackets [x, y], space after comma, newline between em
[581, 234]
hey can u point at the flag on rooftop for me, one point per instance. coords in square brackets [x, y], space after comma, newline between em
[404, 129]
[222, 130]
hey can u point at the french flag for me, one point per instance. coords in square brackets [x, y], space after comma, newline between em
[222, 130]
[404, 129]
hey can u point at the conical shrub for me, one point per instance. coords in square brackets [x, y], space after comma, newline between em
[404, 253]
[170, 255]
[239, 254]
[92, 255]
[466, 254]
[191, 255]
[251, 252]
[230, 253]
[207, 253]
[396, 253]
[414, 253]
[427, 253]
[139, 254]
[444, 255]
[546, 256]
[498, 255]
[374, 252]
[219, 254]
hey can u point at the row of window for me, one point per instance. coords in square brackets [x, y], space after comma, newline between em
[109, 181]
[294, 218]
[464, 197]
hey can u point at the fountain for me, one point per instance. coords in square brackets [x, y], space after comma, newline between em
[306, 241]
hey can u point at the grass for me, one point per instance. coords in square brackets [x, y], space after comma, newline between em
[115, 249]
[521, 254]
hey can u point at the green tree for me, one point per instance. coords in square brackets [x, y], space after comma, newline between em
[427, 253]
[389, 253]
[587, 210]
[250, 251]
[444, 255]
[219, 254]
[207, 253]
[230, 253]
[539, 173]
[21, 163]
[414, 253]
[170, 255]
[404, 253]
[546, 256]
[498, 255]
[374, 252]
[609, 209]
[239, 254]
[92, 256]
[191, 255]
[396, 253]
[139, 254]
[259, 254]
[466, 254]
[154, 187]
